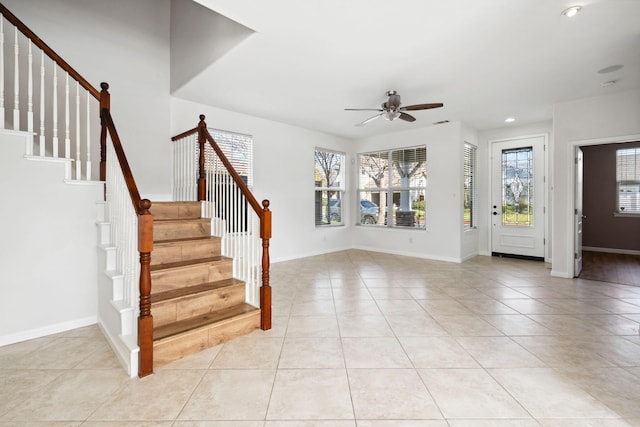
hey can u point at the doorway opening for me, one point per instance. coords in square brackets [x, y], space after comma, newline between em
[604, 246]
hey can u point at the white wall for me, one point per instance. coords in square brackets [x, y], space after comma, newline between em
[470, 238]
[126, 44]
[48, 255]
[443, 201]
[613, 117]
[283, 173]
[484, 173]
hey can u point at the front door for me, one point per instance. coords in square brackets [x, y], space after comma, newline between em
[517, 197]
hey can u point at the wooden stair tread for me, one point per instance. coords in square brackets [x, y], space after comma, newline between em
[192, 290]
[184, 240]
[194, 323]
[181, 220]
[171, 265]
[188, 203]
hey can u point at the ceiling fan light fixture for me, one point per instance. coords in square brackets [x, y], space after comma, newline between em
[391, 115]
[571, 11]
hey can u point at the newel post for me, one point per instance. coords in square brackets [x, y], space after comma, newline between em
[202, 126]
[145, 321]
[105, 102]
[265, 289]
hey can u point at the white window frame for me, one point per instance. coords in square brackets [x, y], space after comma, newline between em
[387, 189]
[628, 177]
[325, 213]
[469, 170]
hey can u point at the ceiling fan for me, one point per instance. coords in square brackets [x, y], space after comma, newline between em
[392, 110]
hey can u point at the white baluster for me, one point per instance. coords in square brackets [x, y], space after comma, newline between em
[78, 160]
[42, 105]
[30, 91]
[54, 115]
[16, 84]
[67, 139]
[88, 136]
[1, 72]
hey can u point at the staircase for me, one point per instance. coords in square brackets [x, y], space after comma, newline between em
[195, 301]
[164, 288]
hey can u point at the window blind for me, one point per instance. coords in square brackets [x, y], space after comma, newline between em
[469, 171]
[239, 150]
[628, 180]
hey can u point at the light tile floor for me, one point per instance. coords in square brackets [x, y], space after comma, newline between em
[362, 339]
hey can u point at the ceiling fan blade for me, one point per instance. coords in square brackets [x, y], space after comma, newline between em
[420, 107]
[407, 117]
[370, 119]
[363, 109]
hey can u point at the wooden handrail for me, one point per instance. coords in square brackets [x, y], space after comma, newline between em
[185, 134]
[136, 200]
[50, 52]
[202, 127]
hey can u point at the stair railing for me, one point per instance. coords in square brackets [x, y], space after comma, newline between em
[203, 172]
[50, 99]
[131, 221]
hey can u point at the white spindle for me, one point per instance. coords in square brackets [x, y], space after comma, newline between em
[30, 91]
[54, 114]
[1, 72]
[67, 139]
[78, 159]
[124, 223]
[16, 83]
[42, 105]
[88, 136]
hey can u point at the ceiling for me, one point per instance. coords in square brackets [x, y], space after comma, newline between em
[485, 60]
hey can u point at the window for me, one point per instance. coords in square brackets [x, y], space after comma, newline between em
[392, 187]
[329, 186]
[239, 150]
[469, 188]
[517, 187]
[628, 180]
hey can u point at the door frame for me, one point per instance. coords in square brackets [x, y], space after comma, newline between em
[545, 196]
[571, 147]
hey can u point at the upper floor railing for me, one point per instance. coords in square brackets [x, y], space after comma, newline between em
[41, 93]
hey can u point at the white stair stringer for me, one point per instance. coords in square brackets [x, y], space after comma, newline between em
[117, 320]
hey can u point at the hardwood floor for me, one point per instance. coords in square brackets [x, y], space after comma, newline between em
[608, 267]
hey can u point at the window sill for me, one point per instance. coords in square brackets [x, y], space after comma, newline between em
[386, 227]
[626, 214]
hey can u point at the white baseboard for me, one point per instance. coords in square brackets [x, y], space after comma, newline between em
[409, 254]
[309, 254]
[611, 250]
[47, 330]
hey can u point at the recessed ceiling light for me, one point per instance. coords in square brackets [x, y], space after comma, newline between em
[610, 69]
[510, 120]
[572, 11]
